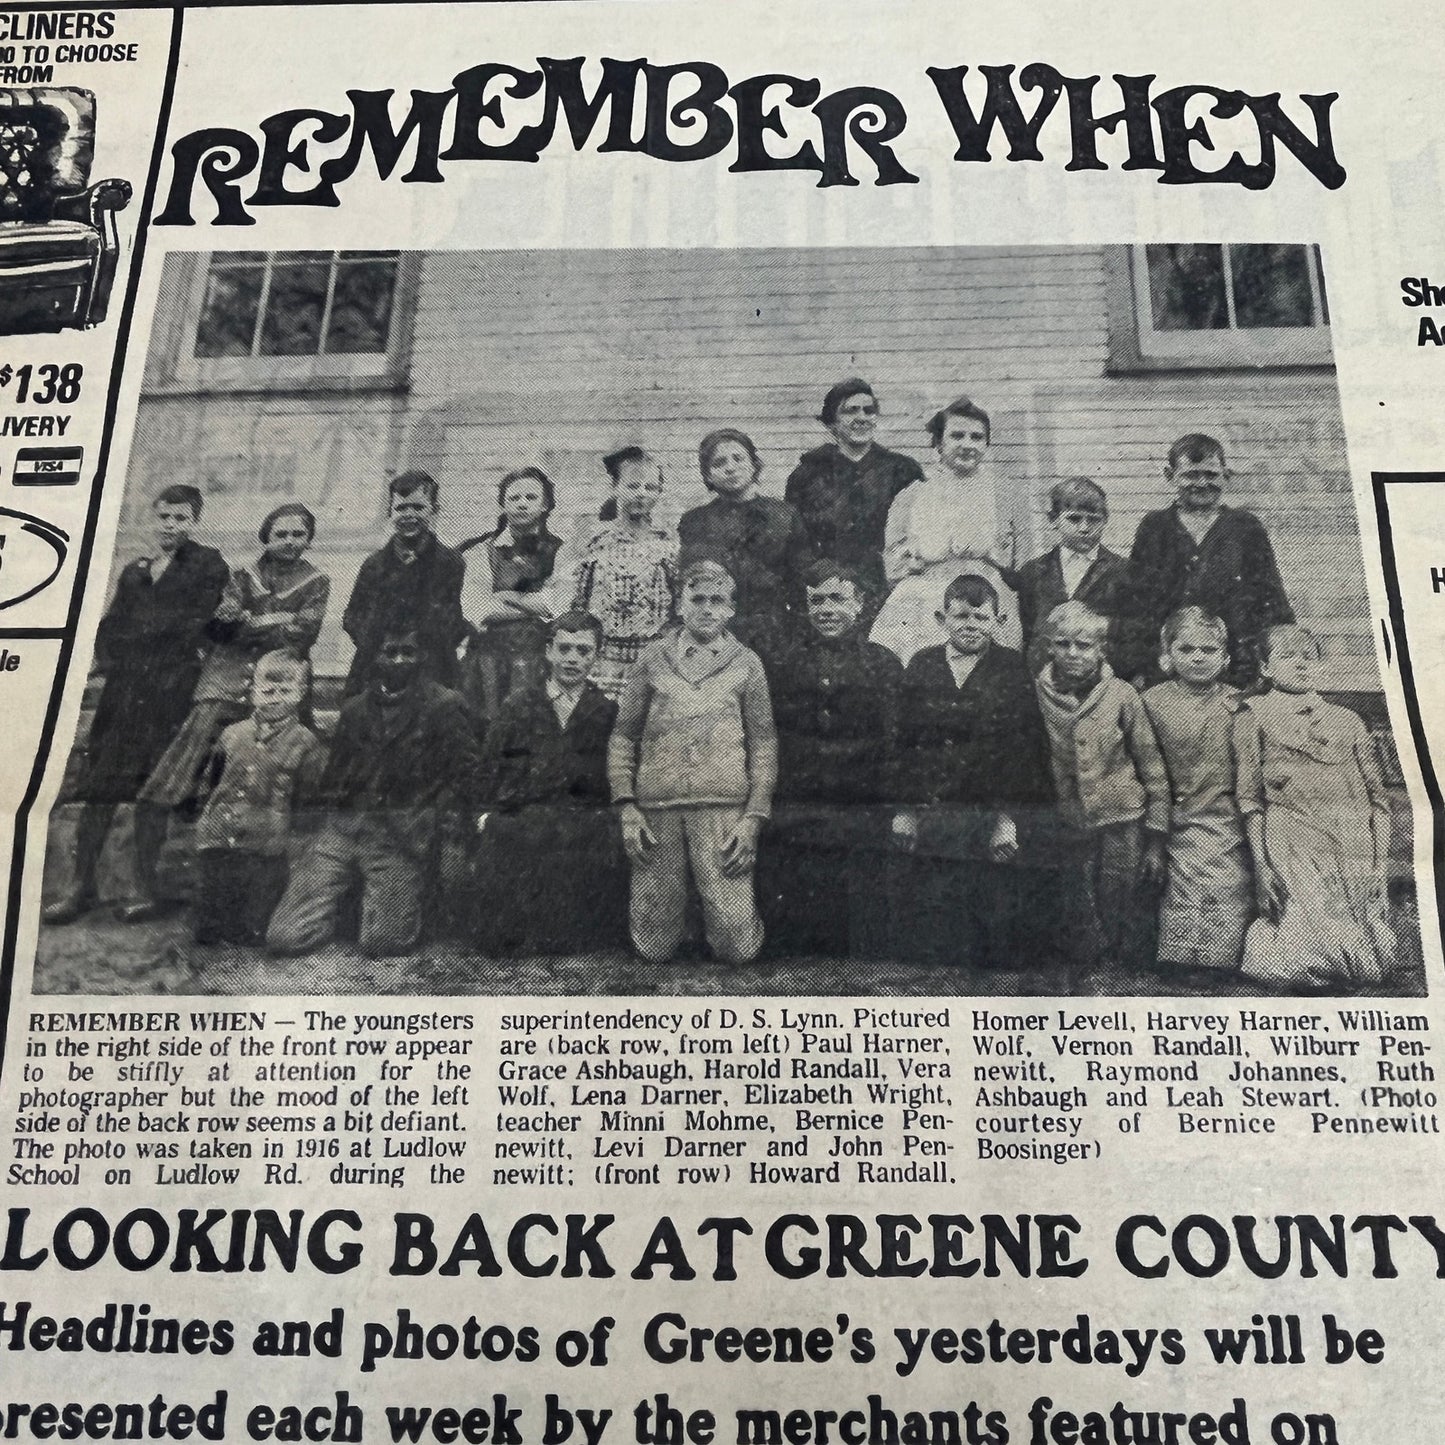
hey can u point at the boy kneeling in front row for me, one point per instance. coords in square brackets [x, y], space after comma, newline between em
[404, 754]
[692, 762]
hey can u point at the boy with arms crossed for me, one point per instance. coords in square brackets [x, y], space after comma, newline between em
[150, 645]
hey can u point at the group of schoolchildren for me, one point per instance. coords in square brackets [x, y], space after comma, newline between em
[731, 704]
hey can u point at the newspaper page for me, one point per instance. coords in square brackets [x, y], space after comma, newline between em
[721, 723]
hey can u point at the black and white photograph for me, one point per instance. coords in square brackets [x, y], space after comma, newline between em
[932, 621]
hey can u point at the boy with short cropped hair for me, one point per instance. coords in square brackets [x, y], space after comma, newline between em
[264, 765]
[692, 762]
[1113, 793]
[548, 865]
[414, 578]
[1080, 568]
[835, 701]
[973, 775]
[150, 646]
[1199, 552]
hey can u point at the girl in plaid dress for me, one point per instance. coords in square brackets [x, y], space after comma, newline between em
[627, 575]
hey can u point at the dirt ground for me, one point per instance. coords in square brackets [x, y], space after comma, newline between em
[101, 955]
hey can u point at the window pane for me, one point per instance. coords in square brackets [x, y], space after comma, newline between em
[1271, 286]
[361, 307]
[228, 313]
[292, 326]
[1186, 288]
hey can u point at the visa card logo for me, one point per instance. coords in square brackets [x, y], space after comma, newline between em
[48, 466]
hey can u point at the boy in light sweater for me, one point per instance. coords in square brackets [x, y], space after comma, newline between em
[1113, 795]
[692, 764]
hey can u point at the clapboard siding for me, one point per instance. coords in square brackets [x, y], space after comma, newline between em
[555, 357]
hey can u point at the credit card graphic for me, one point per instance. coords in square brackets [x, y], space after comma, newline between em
[48, 466]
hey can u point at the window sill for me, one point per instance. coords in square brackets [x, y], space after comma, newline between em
[275, 386]
[1136, 365]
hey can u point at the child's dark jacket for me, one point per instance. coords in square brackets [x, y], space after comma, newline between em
[1040, 588]
[532, 758]
[835, 702]
[549, 868]
[150, 645]
[1230, 572]
[425, 593]
[977, 749]
[974, 750]
[403, 762]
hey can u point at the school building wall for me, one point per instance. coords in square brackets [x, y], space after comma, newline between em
[556, 357]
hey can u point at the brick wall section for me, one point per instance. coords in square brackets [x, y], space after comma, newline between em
[555, 357]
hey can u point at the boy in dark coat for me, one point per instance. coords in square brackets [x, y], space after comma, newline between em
[1080, 568]
[549, 868]
[403, 752]
[150, 645]
[1198, 552]
[973, 775]
[835, 701]
[413, 578]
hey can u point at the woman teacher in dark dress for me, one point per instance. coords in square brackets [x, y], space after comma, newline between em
[843, 489]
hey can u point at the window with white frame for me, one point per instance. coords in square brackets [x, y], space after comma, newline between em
[285, 318]
[1219, 305]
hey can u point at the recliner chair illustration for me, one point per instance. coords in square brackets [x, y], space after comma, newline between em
[58, 240]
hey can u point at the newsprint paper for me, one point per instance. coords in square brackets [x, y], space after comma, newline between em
[720, 723]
